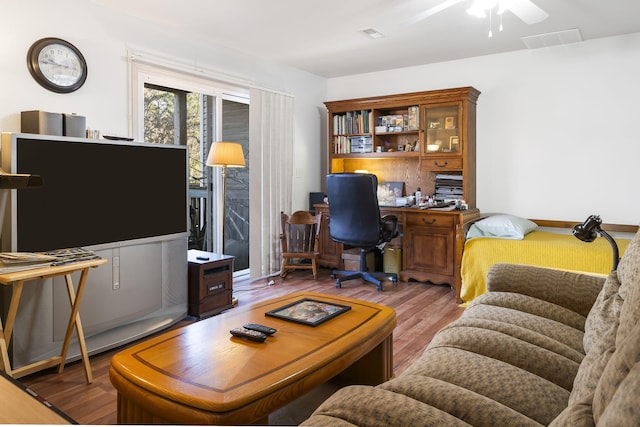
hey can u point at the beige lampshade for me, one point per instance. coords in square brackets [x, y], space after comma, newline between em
[226, 154]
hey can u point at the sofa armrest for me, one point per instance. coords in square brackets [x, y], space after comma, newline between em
[572, 290]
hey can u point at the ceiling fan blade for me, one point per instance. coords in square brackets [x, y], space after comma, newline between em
[432, 11]
[527, 11]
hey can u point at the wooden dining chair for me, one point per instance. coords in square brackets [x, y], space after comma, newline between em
[299, 239]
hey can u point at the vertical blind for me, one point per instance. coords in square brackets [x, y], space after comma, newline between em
[271, 176]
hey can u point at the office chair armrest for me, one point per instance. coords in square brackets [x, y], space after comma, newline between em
[388, 227]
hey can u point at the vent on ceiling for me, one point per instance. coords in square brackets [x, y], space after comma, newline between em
[552, 39]
[374, 34]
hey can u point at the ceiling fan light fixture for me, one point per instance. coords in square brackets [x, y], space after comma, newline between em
[480, 8]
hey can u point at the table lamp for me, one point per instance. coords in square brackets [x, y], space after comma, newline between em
[588, 231]
[225, 155]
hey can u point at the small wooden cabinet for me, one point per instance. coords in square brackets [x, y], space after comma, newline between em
[432, 246]
[210, 283]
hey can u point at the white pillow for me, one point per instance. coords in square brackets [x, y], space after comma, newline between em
[502, 226]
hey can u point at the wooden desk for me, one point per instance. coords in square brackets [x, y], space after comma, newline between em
[432, 244]
[201, 374]
[17, 280]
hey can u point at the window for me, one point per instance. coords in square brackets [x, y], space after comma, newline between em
[174, 108]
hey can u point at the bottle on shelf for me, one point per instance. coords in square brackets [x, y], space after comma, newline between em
[418, 196]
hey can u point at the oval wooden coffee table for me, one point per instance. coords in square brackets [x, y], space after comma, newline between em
[200, 374]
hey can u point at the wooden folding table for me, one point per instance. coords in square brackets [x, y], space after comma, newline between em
[17, 280]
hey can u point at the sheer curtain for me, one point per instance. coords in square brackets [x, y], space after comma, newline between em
[271, 176]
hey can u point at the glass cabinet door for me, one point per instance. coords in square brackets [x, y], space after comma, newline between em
[442, 129]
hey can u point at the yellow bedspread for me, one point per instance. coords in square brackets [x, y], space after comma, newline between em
[541, 248]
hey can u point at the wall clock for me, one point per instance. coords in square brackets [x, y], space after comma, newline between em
[57, 65]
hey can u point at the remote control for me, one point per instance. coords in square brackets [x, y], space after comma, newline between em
[260, 328]
[248, 334]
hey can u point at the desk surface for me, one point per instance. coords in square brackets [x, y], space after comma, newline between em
[49, 271]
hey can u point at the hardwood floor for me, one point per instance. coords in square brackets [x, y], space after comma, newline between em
[422, 309]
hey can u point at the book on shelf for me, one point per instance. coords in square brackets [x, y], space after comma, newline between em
[11, 262]
[413, 119]
[342, 145]
[352, 122]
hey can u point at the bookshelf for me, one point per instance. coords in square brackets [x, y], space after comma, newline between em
[410, 138]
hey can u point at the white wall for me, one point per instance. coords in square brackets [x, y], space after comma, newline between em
[557, 135]
[104, 39]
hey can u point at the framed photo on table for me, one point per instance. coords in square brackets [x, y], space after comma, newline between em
[309, 311]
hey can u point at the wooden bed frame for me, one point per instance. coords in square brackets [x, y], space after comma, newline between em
[618, 228]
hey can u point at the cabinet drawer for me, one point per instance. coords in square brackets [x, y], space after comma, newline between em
[216, 302]
[431, 220]
[443, 163]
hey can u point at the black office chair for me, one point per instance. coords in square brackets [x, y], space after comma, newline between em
[354, 220]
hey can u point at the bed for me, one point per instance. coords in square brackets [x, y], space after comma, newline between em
[545, 243]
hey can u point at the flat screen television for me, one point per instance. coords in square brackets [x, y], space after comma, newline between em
[94, 192]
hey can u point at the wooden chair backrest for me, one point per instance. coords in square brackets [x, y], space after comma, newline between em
[300, 232]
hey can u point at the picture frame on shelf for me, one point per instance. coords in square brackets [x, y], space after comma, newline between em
[454, 143]
[450, 122]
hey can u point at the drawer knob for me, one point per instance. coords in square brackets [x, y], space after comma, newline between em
[441, 165]
[429, 222]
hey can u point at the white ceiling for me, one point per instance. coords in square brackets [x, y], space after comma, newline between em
[324, 37]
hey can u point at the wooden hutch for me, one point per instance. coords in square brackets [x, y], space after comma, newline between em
[422, 139]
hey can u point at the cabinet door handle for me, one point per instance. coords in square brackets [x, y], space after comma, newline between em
[441, 166]
[430, 222]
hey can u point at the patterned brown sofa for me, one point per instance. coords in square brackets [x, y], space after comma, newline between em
[542, 347]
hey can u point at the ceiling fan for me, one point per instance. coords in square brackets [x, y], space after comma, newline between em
[526, 10]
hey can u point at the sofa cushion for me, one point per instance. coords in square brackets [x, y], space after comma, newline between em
[367, 406]
[556, 330]
[524, 392]
[629, 276]
[616, 395]
[601, 328]
[576, 292]
[524, 334]
[604, 314]
[575, 415]
[464, 404]
[513, 350]
[591, 368]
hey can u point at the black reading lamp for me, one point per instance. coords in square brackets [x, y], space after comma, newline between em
[589, 230]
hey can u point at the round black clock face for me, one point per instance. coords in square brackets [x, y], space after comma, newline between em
[57, 65]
